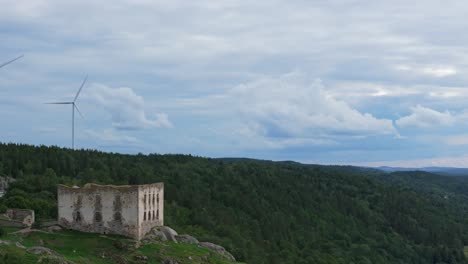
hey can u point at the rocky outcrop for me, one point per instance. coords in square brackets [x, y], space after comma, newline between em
[5, 183]
[18, 245]
[187, 239]
[41, 251]
[3, 242]
[165, 233]
[52, 259]
[170, 233]
[218, 249]
[155, 235]
[54, 228]
[170, 261]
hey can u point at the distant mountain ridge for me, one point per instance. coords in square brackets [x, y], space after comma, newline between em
[448, 171]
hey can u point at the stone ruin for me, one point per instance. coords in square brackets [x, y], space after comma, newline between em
[130, 210]
[17, 218]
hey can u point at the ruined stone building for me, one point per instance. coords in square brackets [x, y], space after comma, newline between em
[108, 209]
[17, 218]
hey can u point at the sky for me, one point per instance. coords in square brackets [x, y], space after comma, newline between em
[356, 82]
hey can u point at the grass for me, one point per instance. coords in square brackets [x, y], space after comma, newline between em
[85, 248]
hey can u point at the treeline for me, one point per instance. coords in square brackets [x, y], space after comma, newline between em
[266, 212]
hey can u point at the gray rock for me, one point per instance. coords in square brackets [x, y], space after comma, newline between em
[3, 242]
[155, 234]
[18, 245]
[54, 228]
[187, 239]
[169, 233]
[170, 261]
[41, 251]
[218, 249]
[141, 258]
[53, 259]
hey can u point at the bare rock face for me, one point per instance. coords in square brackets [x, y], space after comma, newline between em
[170, 261]
[41, 251]
[169, 233]
[18, 245]
[4, 242]
[155, 235]
[218, 249]
[54, 228]
[53, 259]
[141, 258]
[187, 239]
[5, 182]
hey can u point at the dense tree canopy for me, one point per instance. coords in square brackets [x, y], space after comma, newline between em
[268, 212]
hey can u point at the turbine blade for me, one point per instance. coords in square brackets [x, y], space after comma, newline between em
[60, 103]
[81, 87]
[8, 62]
[76, 107]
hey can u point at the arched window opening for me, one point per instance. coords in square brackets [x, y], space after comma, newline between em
[118, 217]
[78, 217]
[144, 216]
[97, 217]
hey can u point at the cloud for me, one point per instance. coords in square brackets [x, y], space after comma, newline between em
[290, 106]
[127, 109]
[434, 71]
[423, 117]
[457, 140]
[375, 59]
[110, 136]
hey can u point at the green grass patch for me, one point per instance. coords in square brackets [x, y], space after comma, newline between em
[85, 248]
[10, 254]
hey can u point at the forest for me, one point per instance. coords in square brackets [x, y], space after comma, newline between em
[267, 212]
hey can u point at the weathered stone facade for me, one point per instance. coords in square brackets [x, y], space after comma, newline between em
[17, 218]
[126, 210]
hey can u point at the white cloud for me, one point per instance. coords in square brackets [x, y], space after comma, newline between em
[457, 140]
[290, 106]
[439, 71]
[434, 71]
[110, 136]
[127, 109]
[423, 117]
[197, 48]
[254, 136]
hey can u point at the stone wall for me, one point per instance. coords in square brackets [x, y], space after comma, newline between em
[151, 207]
[109, 209]
[17, 218]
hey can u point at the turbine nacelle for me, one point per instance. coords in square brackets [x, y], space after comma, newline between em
[73, 103]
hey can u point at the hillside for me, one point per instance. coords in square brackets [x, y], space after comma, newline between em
[267, 212]
[66, 247]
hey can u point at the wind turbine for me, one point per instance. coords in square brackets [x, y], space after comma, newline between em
[8, 62]
[73, 105]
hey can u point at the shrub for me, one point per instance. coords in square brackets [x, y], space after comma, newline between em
[3, 208]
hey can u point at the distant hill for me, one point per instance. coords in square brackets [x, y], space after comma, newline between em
[448, 171]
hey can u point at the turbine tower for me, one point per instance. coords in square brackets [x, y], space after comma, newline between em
[73, 105]
[8, 62]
